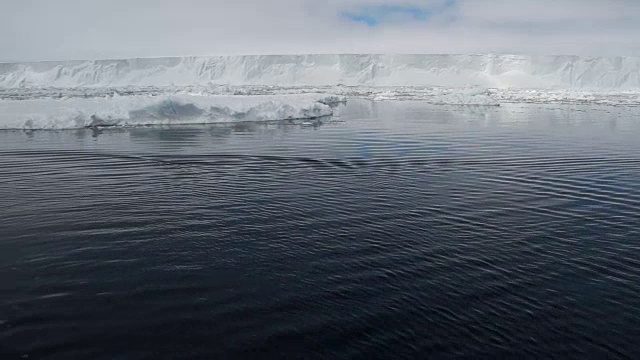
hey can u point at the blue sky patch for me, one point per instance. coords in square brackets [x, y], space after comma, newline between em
[378, 14]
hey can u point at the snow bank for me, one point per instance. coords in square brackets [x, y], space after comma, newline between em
[489, 71]
[69, 113]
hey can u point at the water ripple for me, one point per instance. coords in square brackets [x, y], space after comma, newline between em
[432, 239]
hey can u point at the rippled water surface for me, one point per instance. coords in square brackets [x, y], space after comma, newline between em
[393, 230]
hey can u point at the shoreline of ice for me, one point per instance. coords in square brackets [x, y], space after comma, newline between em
[479, 96]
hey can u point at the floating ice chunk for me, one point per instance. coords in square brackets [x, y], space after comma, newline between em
[333, 100]
[47, 113]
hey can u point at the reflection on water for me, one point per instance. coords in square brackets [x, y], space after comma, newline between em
[392, 230]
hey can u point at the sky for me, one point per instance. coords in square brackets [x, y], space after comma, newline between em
[33, 30]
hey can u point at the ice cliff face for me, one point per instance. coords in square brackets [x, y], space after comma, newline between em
[495, 71]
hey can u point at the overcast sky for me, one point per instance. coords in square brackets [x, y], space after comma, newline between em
[91, 29]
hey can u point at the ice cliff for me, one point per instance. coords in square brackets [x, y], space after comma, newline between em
[493, 71]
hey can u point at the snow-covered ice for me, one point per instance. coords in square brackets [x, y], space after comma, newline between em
[136, 110]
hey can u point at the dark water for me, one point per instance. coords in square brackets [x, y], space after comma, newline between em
[396, 230]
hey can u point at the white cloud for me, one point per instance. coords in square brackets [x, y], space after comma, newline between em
[547, 11]
[63, 29]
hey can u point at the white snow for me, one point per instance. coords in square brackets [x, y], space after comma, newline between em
[488, 71]
[136, 110]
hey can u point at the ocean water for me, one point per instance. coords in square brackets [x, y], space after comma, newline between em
[391, 230]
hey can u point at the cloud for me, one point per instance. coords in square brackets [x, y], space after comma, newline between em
[544, 12]
[80, 29]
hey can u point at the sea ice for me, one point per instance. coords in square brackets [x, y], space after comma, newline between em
[136, 110]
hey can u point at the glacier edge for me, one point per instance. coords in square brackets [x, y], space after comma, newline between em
[493, 71]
